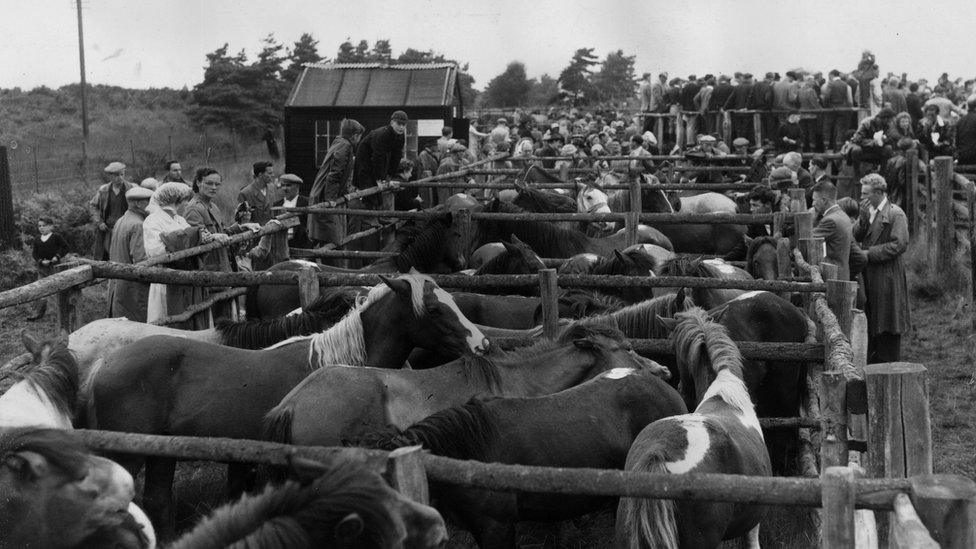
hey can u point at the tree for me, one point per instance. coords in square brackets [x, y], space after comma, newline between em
[382, 52]
[304, 52]
[508, 89]
[615, 80]
[544, 91]
[361, 53]
[346, 53]
[574, 80]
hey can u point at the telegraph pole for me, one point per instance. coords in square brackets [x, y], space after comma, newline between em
[84, 101]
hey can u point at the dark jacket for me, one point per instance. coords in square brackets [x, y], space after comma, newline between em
[885, 279]
[207, 216]
[260, 203]
[966, 139]
[377, 157]
[720, 95]
[741, 97]
[762, 94]
[836, 230]
[299, 234]
[333, 180]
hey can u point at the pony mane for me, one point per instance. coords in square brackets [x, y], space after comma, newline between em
[537, 200]
[685, 266]
[583, 303]
[509, 263]
[462, 432]
[344, 342]
[421, 245]
[293, 516]
[704, 346]
[326, 310]
[633, 261]
[546, 238]
[62, 449]
[755, 244]
[55, 379]
[640, 320]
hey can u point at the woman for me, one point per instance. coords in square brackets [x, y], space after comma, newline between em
[164, 231]
[901, 128]
[203, 213]
[935, 133]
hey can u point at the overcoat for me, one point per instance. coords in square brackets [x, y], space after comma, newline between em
[885, 279]
[377, 157]
[835, 228]
[99, 208]
[128, 298]
[333, 180]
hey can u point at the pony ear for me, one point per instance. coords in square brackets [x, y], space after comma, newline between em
[619, 255]
[511, 248]
[349, 529]
[579, 184]
[27, 466]
[679, 299]
[520, 186]
[399, 286]
[32, 343]
[516, 240]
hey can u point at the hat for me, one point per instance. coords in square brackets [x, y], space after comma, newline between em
[149, 183]
[399, 116]
[781, 173]
[138, 193]
[350, 127]
[819, 162]
[290, 178]
[502, 121]
[115, 167]
[457, 147]
[597, 148]
[740, 142]
[567, 150]
[705, 138]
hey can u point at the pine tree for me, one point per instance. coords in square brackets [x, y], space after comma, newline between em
[304, 52]
[574, 80]
[616, 80]
[508, 89]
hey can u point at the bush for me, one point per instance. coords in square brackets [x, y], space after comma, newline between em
[925, 281]
[68, 209]
[16, 268]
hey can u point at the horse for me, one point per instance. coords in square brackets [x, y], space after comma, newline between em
[431, 247]
[96, 340]
[588, 426]
[705, 268]
[356, 400]
[176, 386]
[761, 258]
[722, 435]
[552, 241]
[521, 312]
[699, 238]
[633, 261]
[347, 505]
[516, 257]
[55, 493]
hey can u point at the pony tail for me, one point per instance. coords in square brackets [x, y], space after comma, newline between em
[276, 426]
[648, 523]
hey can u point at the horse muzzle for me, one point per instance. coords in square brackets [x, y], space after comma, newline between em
[483, 348]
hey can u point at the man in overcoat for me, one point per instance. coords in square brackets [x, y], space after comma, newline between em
[377, 162]
[107, 206]
[129, 298]
[883, 231]
[333, 180]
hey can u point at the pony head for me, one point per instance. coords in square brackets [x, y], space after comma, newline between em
[592, 199]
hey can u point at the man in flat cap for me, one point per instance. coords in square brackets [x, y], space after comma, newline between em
[107, 206]
[129, 298]
[377, 161]
[501, 132]
[290, 187]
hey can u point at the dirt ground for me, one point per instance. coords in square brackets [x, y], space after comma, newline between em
[943, 340]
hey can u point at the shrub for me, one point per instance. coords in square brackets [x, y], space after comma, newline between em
[925, 281]
[16, 268]
[69, 210]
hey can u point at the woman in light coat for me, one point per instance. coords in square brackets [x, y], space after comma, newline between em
[164, 231]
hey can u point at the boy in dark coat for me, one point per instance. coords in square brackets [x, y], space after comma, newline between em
[49, 249]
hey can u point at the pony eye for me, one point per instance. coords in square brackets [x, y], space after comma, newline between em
[433, 311]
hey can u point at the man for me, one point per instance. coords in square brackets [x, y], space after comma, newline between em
[781, 180]
[740, 100]
[703, 101]
[762, 93]
[107, 206]
[377, 161]
[835, 94]
[174, 172]
[945, 105]
[935, 132]
[785, 94]
[453, 161]
[818, 170]
[893, 96]
[333, 180]
[637, 151]
[290, 186]
[794, 161]
[834, 227]
[761, 201]
[882, 229]
[721, 93]
[129, 298]
[872, 143]
[445, 141]
[644, 93]
[966, 134]
[554, 142]
[913, 103]
[260, 194]
[500, 133]
[689, 109]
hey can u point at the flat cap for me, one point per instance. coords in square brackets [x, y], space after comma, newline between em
[740, 142]
[502, 121]
[705, 138]
[138, 193]
[399, 116]
[290, 178]
[150, 183]
[115, 167]
[781, 173]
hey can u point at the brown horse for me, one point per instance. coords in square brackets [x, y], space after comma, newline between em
[345, 506]
[356, 400]
[708, 298]
[167, 385]
[721, 436]
[591, 425]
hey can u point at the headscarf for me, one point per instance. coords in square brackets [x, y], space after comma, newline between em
[171, 193]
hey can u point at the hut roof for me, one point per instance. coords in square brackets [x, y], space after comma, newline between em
[375, 85]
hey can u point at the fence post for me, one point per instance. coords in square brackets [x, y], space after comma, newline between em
[859, 339]
[779, 222]
[67, 301]
[784, 269]
[549, 293]
[679, 132]
[833, 411]
[757, 128]
[406, 474]
[899, 429]
[631, 223]
[462, 220]
[798, 200]
[812, 249]
[841, 295]
[972, 253]
[84, 160]
[947, 506]
[802, 227]
[945, 224]
[308, 286]
[727, 126]
[838, 508]
[907, 530]
[911, 190]
[8, 231]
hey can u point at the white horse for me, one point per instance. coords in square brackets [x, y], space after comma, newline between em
[592, 199]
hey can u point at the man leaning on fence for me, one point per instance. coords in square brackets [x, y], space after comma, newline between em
[333, 180]
[129, 298]
[107, 206]
[377, 162]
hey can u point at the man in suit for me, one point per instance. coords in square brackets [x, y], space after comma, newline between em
[261, 193]
[882, 229]
[834, 227]
[290, 186]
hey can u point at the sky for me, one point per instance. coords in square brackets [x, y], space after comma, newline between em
[162, 43]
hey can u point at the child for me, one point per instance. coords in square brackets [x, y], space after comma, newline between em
[789, 135]
[49, 249]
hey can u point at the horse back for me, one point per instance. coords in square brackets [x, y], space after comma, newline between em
[764, 316]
